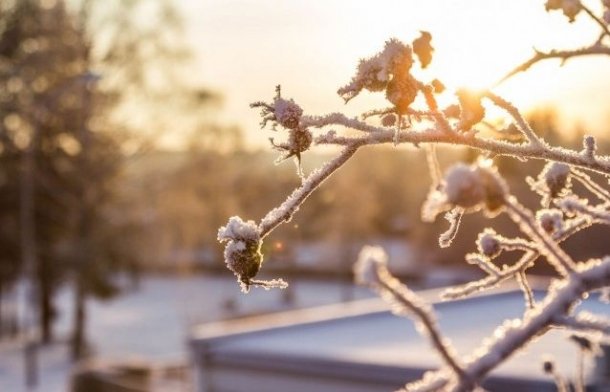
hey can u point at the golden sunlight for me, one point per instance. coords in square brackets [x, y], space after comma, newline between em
[317, 52]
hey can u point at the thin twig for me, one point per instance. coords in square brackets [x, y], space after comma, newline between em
[563, 263]
[402, 295]
[564, 55]
[525, 128]
[597, 20]
[284, 212]
[515, 338]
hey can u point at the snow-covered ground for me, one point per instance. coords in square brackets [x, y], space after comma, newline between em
[153, 321]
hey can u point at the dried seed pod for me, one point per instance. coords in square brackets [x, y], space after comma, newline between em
[488, 243]
[401, 92]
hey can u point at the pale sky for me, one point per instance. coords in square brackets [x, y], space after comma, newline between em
[245, 47]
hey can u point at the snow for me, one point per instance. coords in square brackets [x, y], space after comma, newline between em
[384, 339]
[287, 112]
[237, 229]
[152, 323]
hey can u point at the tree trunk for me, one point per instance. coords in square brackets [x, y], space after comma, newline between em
[80, 316]
[46, 309]
[83, 247]
[28, 255]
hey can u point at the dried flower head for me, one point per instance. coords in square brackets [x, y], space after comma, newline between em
[452, 111]
[242, 252]
[552, 182]
[281, 112]
[469, 187]
[375, 73]
[551, 220]
[287, 114]
[401, 92]
[299, 141]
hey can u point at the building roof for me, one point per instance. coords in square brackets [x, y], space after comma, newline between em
[363, 345]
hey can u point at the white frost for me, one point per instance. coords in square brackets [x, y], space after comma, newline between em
[237, 229]
[370, 260]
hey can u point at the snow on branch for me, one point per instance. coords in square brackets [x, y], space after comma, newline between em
[585, 321]
[371, 270]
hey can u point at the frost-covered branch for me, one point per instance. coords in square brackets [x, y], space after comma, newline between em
[563, 55]
[286, 210]
[371, 270]
[600, 164]
[413, 116]
[570, 8]
[516, 334]
[585, 321]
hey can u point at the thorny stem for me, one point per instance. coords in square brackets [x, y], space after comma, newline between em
[564, 265]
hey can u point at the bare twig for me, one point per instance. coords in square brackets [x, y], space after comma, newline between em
[563, 55]
[597, 20]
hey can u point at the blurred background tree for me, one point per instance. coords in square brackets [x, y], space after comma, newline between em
[73, 75]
